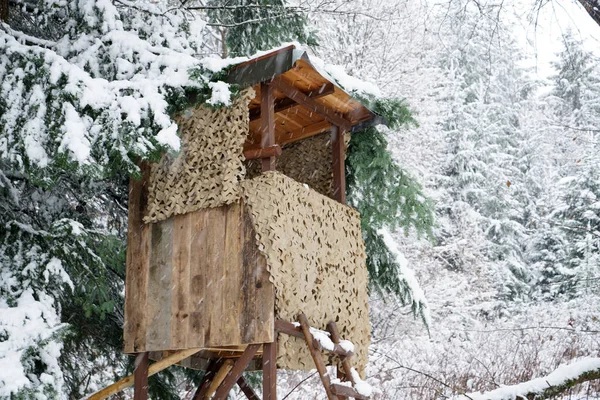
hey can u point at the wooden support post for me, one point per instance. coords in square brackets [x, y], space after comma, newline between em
[140, 377]
[246, 389]
[267, 127]
[269, 366]
[338, 164]
[316, 356]
[345, 374]
[236, 372]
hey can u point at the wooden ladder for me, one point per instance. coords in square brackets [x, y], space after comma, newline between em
[335, 391]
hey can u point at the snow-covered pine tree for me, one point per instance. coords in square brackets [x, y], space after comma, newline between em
[247, 26]
[87, 88]
[575, 219]
[485, 180]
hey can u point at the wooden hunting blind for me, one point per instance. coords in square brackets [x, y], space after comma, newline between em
[247, 227]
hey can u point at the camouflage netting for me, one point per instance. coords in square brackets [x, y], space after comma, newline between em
[307, 161]
[316, 257]
[209, 167]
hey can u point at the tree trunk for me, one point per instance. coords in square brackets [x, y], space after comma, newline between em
[592, 8]
[4, 10]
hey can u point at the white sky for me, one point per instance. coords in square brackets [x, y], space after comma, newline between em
[545, 40]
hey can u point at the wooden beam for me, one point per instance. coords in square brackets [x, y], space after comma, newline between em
[293, 93]
[269, 365]
[338, 164]
[267, 152]
[236, 372]
[140, 377]
[346, 391]
[290, 329]
[316, 356]
[220, 376]
[346, 375]
[246, 389]
[267, 126]
[153, 369]
[287, 103]
[211, 370]
[296, 135]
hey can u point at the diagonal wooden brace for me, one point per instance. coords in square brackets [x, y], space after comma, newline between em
[236, 372]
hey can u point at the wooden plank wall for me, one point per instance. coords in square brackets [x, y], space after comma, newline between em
[194, 280]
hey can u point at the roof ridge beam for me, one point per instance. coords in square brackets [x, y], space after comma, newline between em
[286, 103]
[311, 104]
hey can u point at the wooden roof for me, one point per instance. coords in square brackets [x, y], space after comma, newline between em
[306, 102]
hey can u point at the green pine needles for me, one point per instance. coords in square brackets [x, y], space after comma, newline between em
[387, 197]
[252, 25]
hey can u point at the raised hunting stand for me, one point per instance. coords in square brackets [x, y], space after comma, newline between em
[219, 265]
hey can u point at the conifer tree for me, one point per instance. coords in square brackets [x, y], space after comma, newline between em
[485, 181]
[252, 25]
[575, 216]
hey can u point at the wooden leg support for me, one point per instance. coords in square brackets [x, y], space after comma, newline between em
[269, 366]
[211, 370]
[246, 389]
[140, 377]
[236, 372]
[316, 356]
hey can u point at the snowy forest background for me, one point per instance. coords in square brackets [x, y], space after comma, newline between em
[506, 148]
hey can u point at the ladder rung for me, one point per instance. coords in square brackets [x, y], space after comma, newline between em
[347, 391]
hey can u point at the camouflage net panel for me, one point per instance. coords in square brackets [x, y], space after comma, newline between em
[316, 257]
[307, 161]
[208, 169]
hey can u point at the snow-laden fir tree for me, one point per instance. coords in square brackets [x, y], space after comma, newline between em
[574, 218]
[487, 192]
[86, 89]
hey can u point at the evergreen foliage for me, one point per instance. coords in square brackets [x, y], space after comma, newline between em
[565, 247]
[487, 190]
[387, 197]
[253, 25]
[83, 96]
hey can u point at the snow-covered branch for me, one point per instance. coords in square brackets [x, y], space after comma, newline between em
[563, 378]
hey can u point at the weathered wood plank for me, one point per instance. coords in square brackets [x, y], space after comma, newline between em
[234, 278]
[136, 278]
[258, 312]
[180, 307]
[216, 256]
[158, 336]
[207, 285]
[198, 318]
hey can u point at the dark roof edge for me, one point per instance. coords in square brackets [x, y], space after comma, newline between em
[278, 62]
